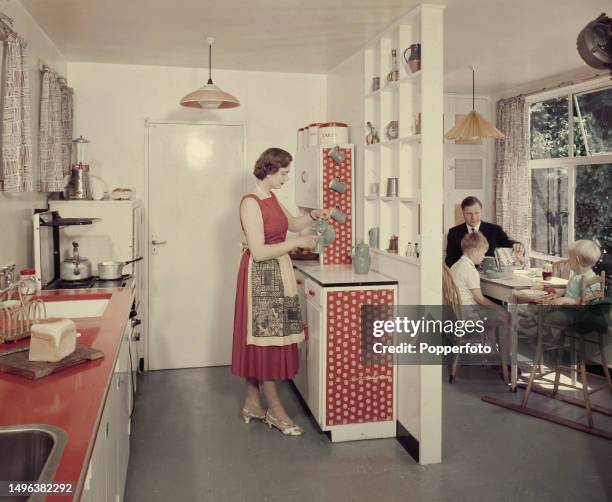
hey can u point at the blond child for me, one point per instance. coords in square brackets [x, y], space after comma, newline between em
[583, 255]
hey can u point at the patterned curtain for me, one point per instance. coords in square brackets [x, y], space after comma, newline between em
[67, 107]
[17, 172]
[50, 138]
[513, 180]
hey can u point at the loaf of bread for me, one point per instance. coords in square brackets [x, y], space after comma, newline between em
[52, 339]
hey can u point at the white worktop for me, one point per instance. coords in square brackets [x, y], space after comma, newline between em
[340, 275]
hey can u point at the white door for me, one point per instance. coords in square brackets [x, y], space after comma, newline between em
[196, 179]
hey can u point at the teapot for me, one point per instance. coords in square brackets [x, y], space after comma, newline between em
[361, 258]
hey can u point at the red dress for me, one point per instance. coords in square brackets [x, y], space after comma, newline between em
[262, 363]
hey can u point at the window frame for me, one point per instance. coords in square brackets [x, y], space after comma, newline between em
[570, 162]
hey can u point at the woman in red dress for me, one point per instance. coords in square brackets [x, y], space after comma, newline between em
[267, 320]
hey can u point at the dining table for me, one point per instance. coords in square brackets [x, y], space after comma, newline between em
[507, 289]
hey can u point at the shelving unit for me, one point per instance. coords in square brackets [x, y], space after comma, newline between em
[400, 158]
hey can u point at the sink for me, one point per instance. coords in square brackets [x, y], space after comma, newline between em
[30, 453]
[76, 308]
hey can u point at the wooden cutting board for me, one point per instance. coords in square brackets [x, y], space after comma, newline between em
[19, 364]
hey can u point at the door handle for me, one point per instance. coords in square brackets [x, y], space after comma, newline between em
[155, 242]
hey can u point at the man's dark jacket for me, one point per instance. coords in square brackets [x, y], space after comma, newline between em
[494, 233]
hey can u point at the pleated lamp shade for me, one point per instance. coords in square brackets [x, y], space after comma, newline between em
[474, 126]
[209, 96]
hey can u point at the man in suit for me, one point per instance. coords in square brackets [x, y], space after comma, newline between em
[472, 210]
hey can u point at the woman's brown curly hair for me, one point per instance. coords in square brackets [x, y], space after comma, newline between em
[270, 161]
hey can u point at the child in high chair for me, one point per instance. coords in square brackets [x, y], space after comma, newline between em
[583, 255]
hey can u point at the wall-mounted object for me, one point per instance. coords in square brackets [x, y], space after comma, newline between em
[412, 57]
[209, 96]
[337, 155]
[594, 43]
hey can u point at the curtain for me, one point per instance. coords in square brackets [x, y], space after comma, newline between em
[17, 171]
[50, 138]
[513, 180]
[67, 107]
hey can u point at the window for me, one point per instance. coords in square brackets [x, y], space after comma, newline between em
[549, 211]
[572, 187]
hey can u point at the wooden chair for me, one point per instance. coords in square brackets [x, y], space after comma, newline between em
[561, 268]
[451, 297]
[577, 332]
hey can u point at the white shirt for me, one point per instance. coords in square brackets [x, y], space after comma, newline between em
[476, 228]
[466, 277]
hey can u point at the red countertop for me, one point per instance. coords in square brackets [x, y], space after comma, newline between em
[71, 399]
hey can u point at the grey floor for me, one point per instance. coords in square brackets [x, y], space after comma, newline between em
[188, 444]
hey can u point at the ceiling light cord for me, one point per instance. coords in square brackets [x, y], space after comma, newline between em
[210, 42]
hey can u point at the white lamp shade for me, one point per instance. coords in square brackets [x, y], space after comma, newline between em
[209, 96]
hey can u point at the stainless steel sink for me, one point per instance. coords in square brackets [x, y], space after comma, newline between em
[30, 453]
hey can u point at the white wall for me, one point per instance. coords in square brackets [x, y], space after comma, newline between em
[113, 101]
[16, 209]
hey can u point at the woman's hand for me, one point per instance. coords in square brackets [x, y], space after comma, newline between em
[320, 214]
[307, 241]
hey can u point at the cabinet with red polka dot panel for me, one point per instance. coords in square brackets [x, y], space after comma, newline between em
[356, 392]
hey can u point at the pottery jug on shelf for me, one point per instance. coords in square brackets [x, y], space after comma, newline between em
[412, 56]
[361, 258]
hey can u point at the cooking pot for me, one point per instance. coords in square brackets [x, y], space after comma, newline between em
[111, 270]
[75, 268]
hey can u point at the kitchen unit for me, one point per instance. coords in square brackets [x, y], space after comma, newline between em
[348, 398]
[91, 402]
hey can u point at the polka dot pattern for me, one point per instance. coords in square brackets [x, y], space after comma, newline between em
[339, 252]
[357, 392]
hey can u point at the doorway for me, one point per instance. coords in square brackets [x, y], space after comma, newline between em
[196, 178]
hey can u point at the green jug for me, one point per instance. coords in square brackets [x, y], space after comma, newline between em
[361, 258]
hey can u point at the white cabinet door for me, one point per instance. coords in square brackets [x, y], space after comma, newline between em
[315, 385]
[308, 177]
[301, 379]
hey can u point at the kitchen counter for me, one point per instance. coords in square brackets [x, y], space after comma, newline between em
[72, 399]
[340, 275]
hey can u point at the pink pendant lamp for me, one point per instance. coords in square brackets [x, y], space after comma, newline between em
[474, 125]
[209, 96]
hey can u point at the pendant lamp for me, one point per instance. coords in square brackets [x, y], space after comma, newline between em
[474, 125]
[209, 96]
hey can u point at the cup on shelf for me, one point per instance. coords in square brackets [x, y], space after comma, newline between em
[374, 237]
[374, 188]
[392, 187]
[375, 83]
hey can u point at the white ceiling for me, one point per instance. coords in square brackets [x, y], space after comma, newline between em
[509, 41]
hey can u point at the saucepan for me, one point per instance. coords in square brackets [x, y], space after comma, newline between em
[111, 270]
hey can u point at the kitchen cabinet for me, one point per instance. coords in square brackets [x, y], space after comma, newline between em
[347, 397]
[107, 471]
[316, 168]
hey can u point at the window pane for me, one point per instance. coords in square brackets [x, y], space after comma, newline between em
[593, 122]
[549, 132]
[549, 211]
[593, 218]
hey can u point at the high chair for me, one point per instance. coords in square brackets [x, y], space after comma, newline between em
[577, 332]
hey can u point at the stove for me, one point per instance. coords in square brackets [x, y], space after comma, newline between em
[94, 282]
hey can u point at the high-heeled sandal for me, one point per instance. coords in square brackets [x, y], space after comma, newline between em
[247, 415]
[284, 427]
